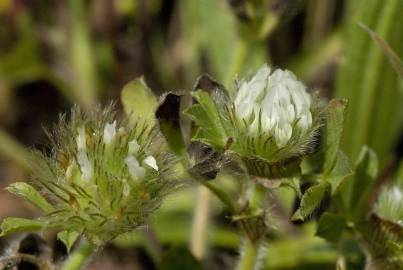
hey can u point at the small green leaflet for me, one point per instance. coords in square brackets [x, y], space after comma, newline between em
[330, 227]
[13, 225]
[30, 194]
[206, 115]
[310, 201]
[138, 100]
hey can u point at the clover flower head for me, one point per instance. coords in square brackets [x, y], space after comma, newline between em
[275, 102]
[103, 177]
[390, 204]
[270, 122]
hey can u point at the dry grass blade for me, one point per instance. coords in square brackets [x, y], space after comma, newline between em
[394, 59]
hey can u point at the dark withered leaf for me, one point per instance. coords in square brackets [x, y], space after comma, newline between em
[207, 161]
[168, 116]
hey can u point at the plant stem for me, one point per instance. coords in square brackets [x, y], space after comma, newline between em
[13, 150]
[253, 248]
[79, 257]
[200, 222]
[251, 258]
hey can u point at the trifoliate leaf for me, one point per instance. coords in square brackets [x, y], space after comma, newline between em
[366, 171]
[310, 201]
[68, 238]
[207, 117]
[330, 227]
[332, 132]
[12, 225]
[138, 100]
[340, 172]
[30, 194]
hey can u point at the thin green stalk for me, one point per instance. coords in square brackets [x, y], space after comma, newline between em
[251, 255]
[10, 148]
[201, 220]
[221, 195]
[253, 248]
[77, 260]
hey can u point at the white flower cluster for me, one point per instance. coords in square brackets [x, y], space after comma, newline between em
[135, 169]
[390, 204]
[277, 102]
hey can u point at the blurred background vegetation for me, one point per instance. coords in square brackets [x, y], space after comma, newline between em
[57, 53]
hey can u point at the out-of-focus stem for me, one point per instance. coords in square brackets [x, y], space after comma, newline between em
[10, 148]
[77, 260]
[152, 244]
[251, 255]
[201, 219]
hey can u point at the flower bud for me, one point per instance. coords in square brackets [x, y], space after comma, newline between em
[271, 121]
[103, 189]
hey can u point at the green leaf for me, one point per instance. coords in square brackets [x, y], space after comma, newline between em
[138, 100]
[310, 201]
[68, 238]
[332, 132]
[340, 172]
[30, 194]
[366, 171]
[12, 225]
[179, 258]
[330, 227]
[207, 117]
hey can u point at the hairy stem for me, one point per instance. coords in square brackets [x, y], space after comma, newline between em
[251, 255]
[77, 260]
[253, 247]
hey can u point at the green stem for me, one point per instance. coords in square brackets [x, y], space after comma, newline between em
[13, 150]
[79, 257]
[251, 258]
[252, 253]
[221, 195]
[200, 224]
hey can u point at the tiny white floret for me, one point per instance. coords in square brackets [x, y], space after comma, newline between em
[109, 132]
[81, 139]
[85, 165]
[150, 161]
[134, 147]
[135, 170]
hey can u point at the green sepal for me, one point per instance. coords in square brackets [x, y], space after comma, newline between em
[31, 195]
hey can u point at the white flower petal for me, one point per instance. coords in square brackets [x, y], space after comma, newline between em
[81, 139]
[283, 135]
[85, 165]
[109, 132]
[150, 161]
[134, 147]
[135, 170]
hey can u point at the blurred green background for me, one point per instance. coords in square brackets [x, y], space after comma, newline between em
[57, 53]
